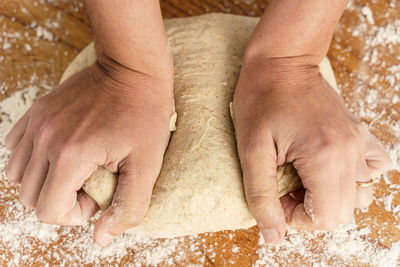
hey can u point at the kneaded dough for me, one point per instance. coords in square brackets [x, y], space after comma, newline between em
[200, 187]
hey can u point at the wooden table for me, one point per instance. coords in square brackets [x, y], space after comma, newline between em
[40, 38]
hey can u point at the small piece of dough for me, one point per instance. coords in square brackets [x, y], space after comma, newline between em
[200, 186]
[101, 187]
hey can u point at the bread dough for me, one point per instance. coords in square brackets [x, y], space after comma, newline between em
[200, 185]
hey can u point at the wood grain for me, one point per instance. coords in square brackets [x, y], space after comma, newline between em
[69, 28]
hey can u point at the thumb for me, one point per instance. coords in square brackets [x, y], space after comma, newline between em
[131, 201]
[258, 160]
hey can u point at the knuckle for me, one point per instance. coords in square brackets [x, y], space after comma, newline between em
[254, 138]
[262, 192]
[10, 174]
[337, 147]
[13, 170]
[365, 202]
[360, 129]
[387, 162]
[251, 152]
[45, 217]
[64, 152]
[129, 213]
[7, 142]
[257, 198]
[329, 147]
[351, 142]
[327, 222]
[26, 201]
[45, 132]
[131, 216]
[336, 144]
[38, 108]
[347, 215]
[364, 199]
[347, 218]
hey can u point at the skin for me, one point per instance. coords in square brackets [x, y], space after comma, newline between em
[115, 114]
[284, 112]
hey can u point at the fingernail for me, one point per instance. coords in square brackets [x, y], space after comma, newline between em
[105, 240]
[270, 235]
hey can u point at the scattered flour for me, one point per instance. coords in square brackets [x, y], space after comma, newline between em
[43, 33]
[28, 47]
[366, 11]
[350, 245]
[345, 246]
[12, 108]
[20, 230]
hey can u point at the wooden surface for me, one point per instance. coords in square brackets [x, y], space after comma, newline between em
[69, 29]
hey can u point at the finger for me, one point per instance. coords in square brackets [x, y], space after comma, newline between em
[348, 192]
[57, 203]
[364, 194]
[258, 160]
[17, 132]
[288, 203]
[131, 201]
[300, 219]
[34, 177]
[322, 200]
[364, 197]
[378, 160]
[87, 204]
[19, 159]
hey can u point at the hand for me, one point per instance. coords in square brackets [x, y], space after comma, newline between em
[285, 111]
[106, 115]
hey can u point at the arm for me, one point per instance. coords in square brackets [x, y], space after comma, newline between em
[296, 28]
[114, 114]
[132, 34]
[286, 112]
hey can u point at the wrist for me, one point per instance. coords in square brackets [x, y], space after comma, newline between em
[266, 72]
[119, 81]
[259, 51]
[309, 52]
[131, 33]
[295, 28]
[160, 67]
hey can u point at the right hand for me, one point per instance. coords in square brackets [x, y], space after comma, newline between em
[106, 115]
[285, 112]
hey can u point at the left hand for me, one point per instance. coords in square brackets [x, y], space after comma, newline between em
[106, 115]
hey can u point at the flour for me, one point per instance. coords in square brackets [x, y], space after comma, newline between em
[43, 33]
[20, 231]
[15, 106]
[28, 47]
[366, 11]
[346, 245]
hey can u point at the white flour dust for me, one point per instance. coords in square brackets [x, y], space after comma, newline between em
[346, 245]
[20, 231]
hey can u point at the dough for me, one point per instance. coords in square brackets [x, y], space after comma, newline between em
[200, 185]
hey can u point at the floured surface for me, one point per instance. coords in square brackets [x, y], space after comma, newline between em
[366, 74]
